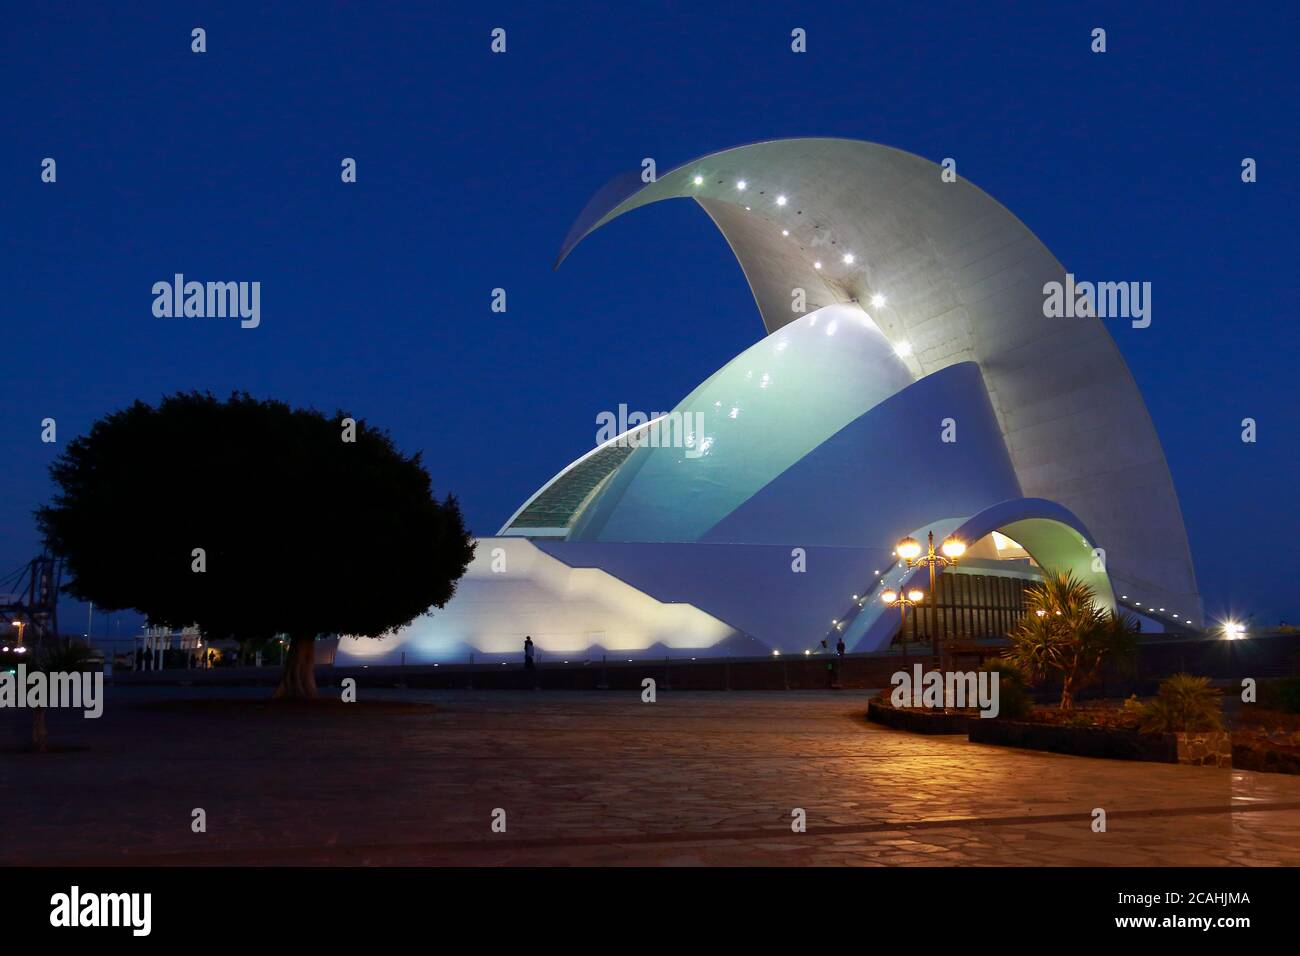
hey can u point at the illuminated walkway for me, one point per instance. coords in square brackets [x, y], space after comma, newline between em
[605, 779]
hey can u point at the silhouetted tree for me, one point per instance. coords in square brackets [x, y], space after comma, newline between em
[250, 518]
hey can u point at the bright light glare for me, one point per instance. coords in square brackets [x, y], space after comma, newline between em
[889, 597]
[908, 548]
[699, 180]
[741, 184]
[848, 258]
[877, 301]
[953, 547]
[780, 200]
[914, 595]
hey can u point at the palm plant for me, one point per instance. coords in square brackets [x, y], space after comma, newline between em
[58, 656]
[1065, 634]
[1185, 704]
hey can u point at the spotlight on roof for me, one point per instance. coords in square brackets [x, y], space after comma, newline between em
[698, 180]
[817, 265]
[877, 301]
[741, 184]
[903, 349]
[785, 232]
[780, 200]
[848, 258]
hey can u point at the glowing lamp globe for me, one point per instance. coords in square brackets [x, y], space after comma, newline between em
[908, 548]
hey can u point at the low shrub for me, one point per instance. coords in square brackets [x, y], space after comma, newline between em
[1184, 704]
[1283, 695]
[1014, 700]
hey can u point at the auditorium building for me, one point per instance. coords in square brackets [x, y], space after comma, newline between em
[907, 381]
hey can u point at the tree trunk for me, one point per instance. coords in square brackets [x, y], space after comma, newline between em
[40, 738]
[298, 682]
[1068, 684]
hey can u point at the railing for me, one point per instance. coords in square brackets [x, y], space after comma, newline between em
[967, 605]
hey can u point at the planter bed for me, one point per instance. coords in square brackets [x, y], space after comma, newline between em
[1211, 749]
[1251, 753]
[921, 721]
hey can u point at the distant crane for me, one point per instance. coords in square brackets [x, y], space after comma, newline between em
[29, 599]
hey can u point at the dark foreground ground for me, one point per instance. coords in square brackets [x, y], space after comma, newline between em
[597, 778]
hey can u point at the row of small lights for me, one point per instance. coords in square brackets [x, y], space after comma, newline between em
[1232, 629]
[17, 650]
[877, 301]
[861, 601]
[904, 349]
[1124, 597]
[505, 663]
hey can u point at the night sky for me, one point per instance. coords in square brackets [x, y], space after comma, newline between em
[471, 167]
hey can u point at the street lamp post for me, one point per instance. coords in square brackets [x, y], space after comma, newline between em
[909, 549]
[20, 625]
[913, 599]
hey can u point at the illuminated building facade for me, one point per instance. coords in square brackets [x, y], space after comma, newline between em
[908, 381]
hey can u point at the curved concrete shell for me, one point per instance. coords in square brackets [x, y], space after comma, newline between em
[962, 280]
[749, 422]
[920, 389]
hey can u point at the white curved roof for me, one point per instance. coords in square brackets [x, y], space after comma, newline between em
[757, 417]
[963, 281]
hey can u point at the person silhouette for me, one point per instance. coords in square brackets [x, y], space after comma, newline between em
[528, 653]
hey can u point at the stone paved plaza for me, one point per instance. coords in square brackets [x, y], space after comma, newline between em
[598, 778]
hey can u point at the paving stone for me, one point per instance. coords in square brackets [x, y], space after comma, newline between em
[603, 779]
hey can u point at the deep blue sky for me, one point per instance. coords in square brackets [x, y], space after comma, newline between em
[472, 166]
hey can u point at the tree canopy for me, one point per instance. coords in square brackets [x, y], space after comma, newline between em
[250, 518]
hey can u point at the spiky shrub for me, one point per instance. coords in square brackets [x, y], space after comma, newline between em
[1185, 704]
[54, 657]
[1065, 635]
[1014, 700]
